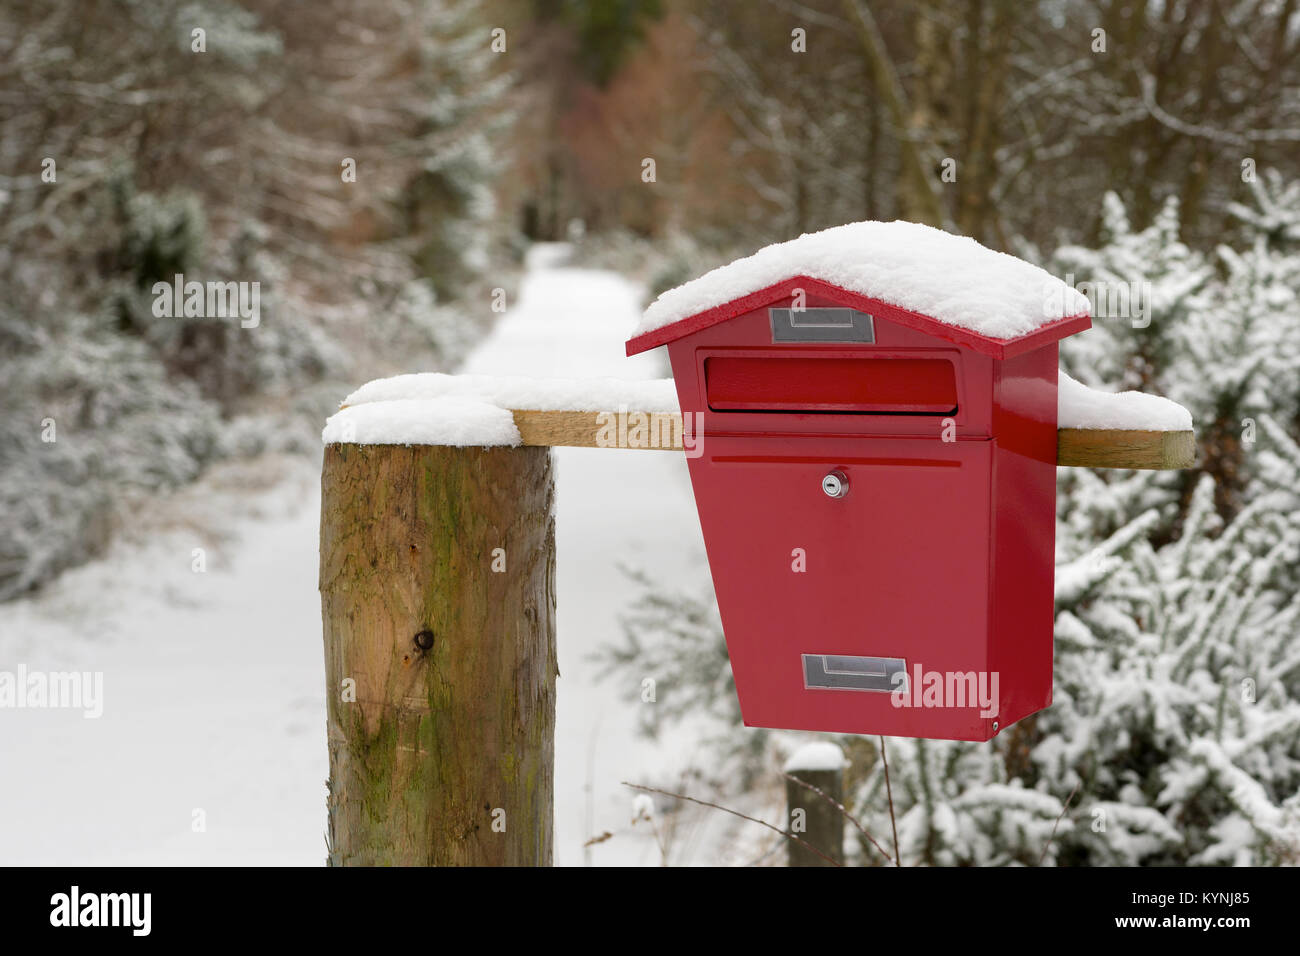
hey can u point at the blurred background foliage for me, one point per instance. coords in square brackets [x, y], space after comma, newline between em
[1115, 140]
[765, 118]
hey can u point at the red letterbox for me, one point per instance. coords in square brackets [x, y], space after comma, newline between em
[876, 482]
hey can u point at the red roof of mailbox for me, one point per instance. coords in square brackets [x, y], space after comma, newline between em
[947, 286]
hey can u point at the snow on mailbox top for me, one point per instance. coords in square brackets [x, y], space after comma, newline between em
[932, 278]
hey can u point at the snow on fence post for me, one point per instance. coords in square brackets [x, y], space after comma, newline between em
[437, 580]
[810, 816]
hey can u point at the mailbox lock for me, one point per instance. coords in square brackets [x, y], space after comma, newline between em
[836, 484]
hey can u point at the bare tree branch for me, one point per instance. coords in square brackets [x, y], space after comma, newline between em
[736, 813]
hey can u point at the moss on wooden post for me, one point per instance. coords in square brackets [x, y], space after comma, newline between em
[437, 580]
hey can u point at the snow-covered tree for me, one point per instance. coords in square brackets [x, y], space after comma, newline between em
[1143, 285]
[1174, 732]
[320, 151]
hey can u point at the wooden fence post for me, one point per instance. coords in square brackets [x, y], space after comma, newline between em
[437, 580]
[810, 816]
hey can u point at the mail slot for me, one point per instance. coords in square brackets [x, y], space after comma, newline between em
[876, 487]
[920, 386]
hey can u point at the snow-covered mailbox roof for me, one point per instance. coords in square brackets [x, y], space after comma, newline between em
[923, 278]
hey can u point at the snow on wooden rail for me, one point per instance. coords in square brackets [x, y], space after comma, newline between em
[1096, 429]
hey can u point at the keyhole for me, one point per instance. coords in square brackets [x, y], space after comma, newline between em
[835, 484]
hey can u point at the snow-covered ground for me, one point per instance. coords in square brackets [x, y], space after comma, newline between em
[210, 749]
[211, 745]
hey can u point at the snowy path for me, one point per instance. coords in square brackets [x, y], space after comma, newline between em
[213, 682]
[572, 323]
[212, 687]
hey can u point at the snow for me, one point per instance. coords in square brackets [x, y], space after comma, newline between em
[438, 409]
[433, 408]
[451, 420]
[211, 746]
[214, 682]
[572, 323]
[593, 394]
[952, 279]
[817, 755]
[643, 808]
[1079, 406]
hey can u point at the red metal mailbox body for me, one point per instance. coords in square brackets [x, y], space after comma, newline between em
[877, 493]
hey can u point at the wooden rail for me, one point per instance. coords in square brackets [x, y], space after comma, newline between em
[1082, 447]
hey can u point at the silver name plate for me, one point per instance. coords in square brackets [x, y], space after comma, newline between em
[821, 325]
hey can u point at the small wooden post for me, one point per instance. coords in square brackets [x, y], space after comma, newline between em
[810, 816]
[437, 580]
